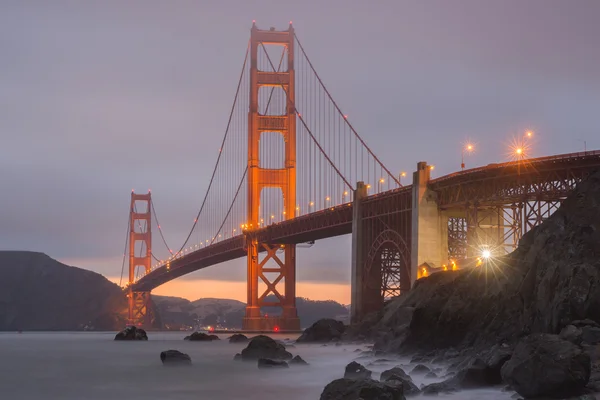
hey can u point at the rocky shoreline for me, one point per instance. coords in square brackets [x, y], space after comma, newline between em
[528, 322]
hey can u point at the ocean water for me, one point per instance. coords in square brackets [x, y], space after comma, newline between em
[92, 366]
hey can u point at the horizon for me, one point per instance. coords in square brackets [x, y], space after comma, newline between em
[87, 84]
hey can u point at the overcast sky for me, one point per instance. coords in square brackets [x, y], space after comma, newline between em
[97, 98]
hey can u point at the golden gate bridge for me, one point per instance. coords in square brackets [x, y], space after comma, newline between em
[292, 169]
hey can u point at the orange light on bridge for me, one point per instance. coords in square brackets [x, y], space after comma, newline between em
[381, 180]
[312, 203]
[529, 134]
[327, 198]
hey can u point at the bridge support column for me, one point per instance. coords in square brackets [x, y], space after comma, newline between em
[140, 239]
[429, 242]
[358, 255]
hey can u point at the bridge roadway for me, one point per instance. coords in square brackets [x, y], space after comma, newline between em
[493, 184]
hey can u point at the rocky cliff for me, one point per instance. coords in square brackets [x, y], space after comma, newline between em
[39, 293]
[550, 280]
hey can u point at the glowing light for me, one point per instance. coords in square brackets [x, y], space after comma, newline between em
[445, 267]
[272, 216]
[275, 329]
[368, 186]
[346, 193]
[284, 213]
[486, 254]
[519, 150]
[297, 208]
[327, 198]
[312, 203]
[381, 180]
[529, 134]
[403, 174]
[469, 147]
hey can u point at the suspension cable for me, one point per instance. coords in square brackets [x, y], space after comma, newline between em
[237, 192]
[159, 229]
[125, 250]
[342, 114]
[212, 178]
[290, 102]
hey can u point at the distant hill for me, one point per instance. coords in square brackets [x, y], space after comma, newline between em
[176, 312]
[40, 293]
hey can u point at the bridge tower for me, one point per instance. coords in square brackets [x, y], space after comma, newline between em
[140, 231]
[284, 178]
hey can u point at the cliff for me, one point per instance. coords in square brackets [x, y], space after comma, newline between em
[40, 293]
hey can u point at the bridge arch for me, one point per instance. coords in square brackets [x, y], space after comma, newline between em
[387, 266]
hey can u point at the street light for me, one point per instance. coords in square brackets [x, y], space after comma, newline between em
[468, 148]
[402, 175]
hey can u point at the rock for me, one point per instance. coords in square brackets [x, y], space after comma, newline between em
[237, 357]
[431, 375]
[324, 330]
[355, 370]
[590, 334]
[262, 346]
[361, 389]
[545, 365]
[132, 333]
[398, 374]
[201, 337]
[268, 363]
[420, 369]
[175, 357]
[580, 323]
[297, 360]
[572, 334]
[385, 375]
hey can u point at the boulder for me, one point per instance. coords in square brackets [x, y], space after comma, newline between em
[262, 346]
[397, 374]
[297, 360]
[238, 338]
[237, 357]
[546, 365]
[324, 330]
[201, 337]
[132, 333]
[361, 389]
[268, 363]
[355, 370]
[572, 334]
[420, 369]
[175, 357]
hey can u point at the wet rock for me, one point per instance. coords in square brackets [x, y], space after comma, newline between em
[201, 337]
[355, 370]
[324, 330]
[132, 333]
[546, 365]
[580, 323]
[268, 363]
[398, 374]
[238, 338]
[590, 334]
[175, 357]
[420, 369]
[237, 357]
[297, 360]
[431, 375]
[264, 347]
[571, 334]
[361, 389]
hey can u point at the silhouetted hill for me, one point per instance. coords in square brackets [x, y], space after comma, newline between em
[176, 312]
[40, 293]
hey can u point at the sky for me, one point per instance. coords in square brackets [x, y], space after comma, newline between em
[99, 98]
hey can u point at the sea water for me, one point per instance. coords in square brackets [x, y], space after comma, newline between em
[92, 366]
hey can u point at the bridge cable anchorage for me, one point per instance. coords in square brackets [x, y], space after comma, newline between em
[220, 153]
[304, 123]
[125, 250]
[342, 114]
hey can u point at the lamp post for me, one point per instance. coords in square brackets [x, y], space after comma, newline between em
[468, 148]
[402, 175]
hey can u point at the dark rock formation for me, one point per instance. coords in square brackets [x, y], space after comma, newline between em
[201, 337]
[355, 370]
[297, 360]
[237, 357]
[268, 363]
[39, 293]
[420, 369]
[571, 334]
[550, 281]
[590, 335]
[132, 333]
[238, 338]
[264, 347]
[175, 357]
[398, 374]
[324, 330]
[361, 389]
[545, 365]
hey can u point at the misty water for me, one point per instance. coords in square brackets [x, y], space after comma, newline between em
[91, 366]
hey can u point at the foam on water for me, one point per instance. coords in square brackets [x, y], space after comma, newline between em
[91, 366]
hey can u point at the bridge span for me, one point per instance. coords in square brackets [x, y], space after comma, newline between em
[292, 169]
